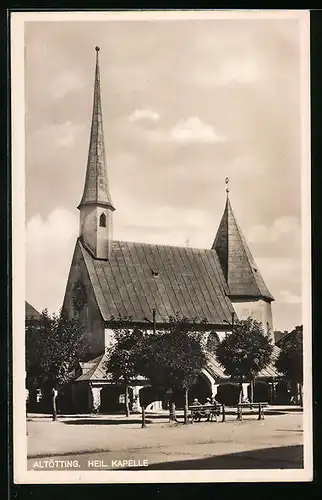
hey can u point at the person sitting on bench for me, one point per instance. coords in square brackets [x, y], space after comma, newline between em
[208, 413]
[197, 415]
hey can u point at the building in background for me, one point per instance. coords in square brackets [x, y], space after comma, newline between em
[31, 314]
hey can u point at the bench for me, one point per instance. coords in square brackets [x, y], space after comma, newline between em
[197, 412]
[259, 406]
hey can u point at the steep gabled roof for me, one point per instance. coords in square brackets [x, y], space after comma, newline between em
[95, 369]
[31, 312]
[96, 189]
[140, 277]
[278, 336]
[215, 369]
[238, 264]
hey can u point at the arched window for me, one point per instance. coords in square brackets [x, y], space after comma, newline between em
[102, 220]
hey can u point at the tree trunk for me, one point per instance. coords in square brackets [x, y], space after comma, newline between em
[173, 411]
[186, 404]
[252, 391]
[240, 391]
[127, 401]
[301, 394]
[294, 392]
[54, 407]
[143, 424]
[172, 408]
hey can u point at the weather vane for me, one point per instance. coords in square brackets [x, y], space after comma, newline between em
[226, 182]
[97, 48]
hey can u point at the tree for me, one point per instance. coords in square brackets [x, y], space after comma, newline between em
[170, 359]
[290, 360]
[123, 361]
[54, 348]
[173, 358]
[246, 351]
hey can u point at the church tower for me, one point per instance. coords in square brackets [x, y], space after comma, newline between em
[96, 207]
[247, 289]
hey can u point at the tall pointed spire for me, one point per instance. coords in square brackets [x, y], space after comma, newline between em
[238, 264]
[96, 189]
[96, 207]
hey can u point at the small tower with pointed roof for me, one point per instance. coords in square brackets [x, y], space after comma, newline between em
[247, 289]
[96, 207]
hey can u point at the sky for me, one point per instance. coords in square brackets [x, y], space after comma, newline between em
[185, 104]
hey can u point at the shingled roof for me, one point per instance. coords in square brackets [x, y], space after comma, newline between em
[140, 277]
[238, 265]
[95, 370]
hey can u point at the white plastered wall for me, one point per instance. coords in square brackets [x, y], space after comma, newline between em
[260, 310]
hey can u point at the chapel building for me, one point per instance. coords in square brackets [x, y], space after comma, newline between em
[109, 279]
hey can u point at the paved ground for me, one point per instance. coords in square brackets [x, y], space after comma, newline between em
[113, 442]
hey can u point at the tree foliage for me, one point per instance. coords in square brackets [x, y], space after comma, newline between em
[169, 359]
[124, 357]
[290, 359]
[212, 343]
[54, 347]
[246, 351]
[173, 358]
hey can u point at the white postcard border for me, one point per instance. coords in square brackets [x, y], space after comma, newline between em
[21, 474]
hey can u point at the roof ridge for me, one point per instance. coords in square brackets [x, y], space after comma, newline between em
[160, 245]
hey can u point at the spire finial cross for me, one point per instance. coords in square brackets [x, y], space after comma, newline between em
[97, 48]
[227, 182]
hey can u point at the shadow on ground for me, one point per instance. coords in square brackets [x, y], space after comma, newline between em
[100, 421]
[130, 421]
[150, 419]
[284, 457]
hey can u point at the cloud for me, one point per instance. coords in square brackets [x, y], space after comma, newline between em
[144, 114]
[193, 130]
[64, 83]
[57, 134]
[132, 214]
[241, 71]
[277, 266]
[185, 131]
[50, 245]
[286, 227]
[279, 273]
[167, 225]
[289, 298]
